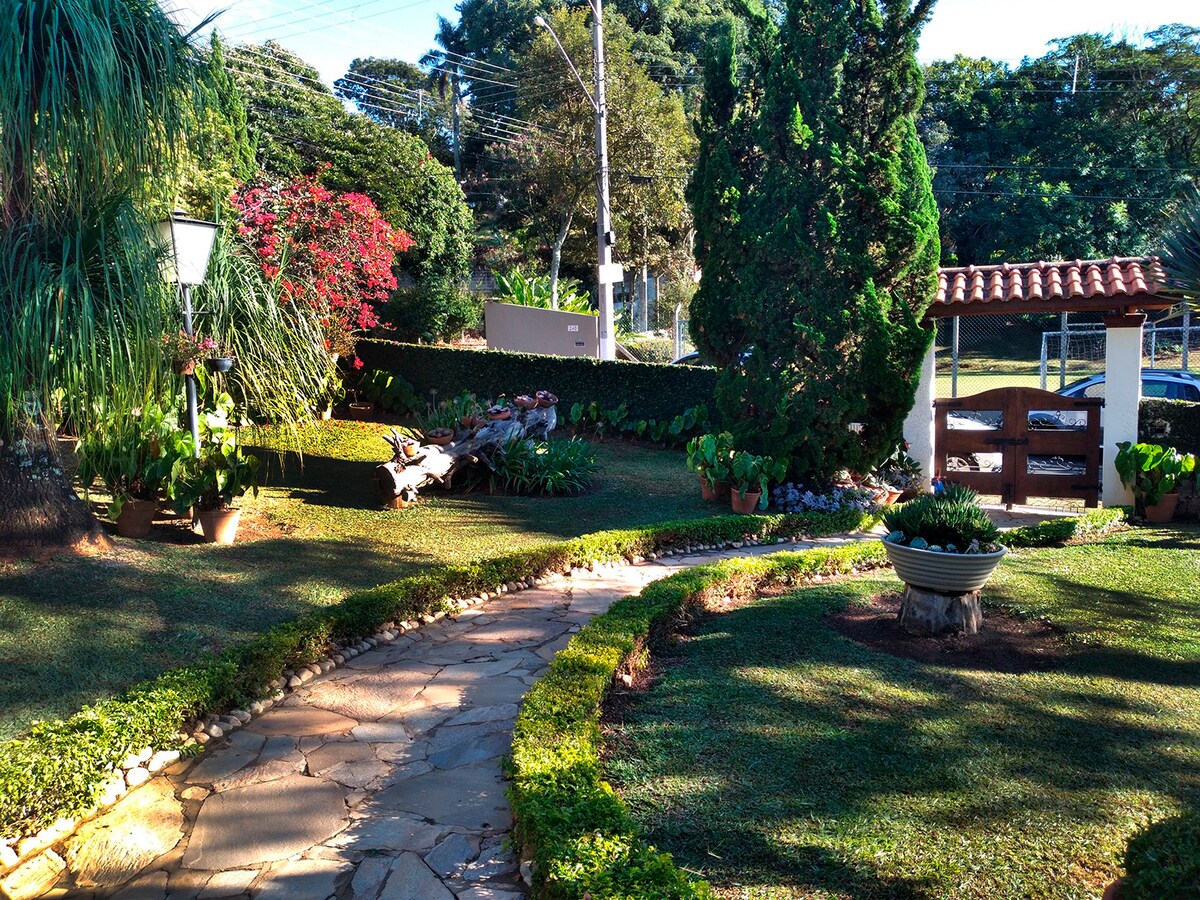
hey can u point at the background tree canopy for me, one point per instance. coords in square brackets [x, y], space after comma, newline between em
[1083, 153]
[299, 126]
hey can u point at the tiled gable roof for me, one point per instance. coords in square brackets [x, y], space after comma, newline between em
[1122, 280]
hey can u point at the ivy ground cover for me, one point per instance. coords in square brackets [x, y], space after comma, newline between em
[776, 758]
[73, 630]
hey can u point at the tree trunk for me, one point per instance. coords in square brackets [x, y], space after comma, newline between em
[556, 257]
[925, 612]
[404, 476]
[39, 510]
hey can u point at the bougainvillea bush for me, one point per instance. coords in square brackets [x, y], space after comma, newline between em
[330, 250]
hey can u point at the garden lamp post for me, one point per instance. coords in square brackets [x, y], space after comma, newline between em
[187, 244]
[606, 272]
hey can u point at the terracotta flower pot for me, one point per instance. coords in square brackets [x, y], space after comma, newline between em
[439, 436]
[546, 399]
[219, 526]
[706, 491]
[500, 415]
[397, 503]
[525, 401]
[410, 450]
[744, 505]
[184, 367]
[892, 497]
[1162, 512]
[361, 412]
[136, 518]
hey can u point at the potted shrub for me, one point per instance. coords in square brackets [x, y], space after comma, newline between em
[211, 482]
[750, 476]
[133, 456]
[1153, 472]
[943, 542]
[708, 456]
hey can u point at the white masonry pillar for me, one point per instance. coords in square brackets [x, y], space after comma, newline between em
[918, 427]
[1122, 395]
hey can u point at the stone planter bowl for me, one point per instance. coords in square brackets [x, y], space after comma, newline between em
[940, 572]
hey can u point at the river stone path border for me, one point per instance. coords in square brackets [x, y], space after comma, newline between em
[380, 780]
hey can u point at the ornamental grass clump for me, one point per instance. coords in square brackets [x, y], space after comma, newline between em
[950, 522]
[545, 467]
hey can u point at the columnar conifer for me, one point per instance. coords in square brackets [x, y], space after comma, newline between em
[817, 231]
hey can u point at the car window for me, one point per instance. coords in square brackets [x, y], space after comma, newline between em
[1152, 387]
[1189, 392]
[1094, 390]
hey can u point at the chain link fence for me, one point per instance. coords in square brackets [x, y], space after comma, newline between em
[979, 353]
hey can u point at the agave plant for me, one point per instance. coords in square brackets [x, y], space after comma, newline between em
[1180, 255]
[538, 290]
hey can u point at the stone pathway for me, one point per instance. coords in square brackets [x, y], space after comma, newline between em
[380, 780]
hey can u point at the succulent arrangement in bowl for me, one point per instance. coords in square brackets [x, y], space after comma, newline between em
[948, 522]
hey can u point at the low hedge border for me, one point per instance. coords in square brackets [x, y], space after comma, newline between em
[1093, 523]
[649, 390]
[63, 770]
[580, 836]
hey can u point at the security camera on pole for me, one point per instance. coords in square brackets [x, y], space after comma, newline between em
[607, 273]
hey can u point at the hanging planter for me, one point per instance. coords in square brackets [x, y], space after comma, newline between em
[183, 366]
[219, 363]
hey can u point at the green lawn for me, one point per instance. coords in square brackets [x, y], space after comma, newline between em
[74, 629]
[779, 759]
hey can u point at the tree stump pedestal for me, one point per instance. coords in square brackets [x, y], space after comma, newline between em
[925, 613]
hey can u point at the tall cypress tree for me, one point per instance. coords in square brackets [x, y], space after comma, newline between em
[817, 231]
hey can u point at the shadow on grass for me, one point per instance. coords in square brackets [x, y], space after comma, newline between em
[77, 629]
[779, 753]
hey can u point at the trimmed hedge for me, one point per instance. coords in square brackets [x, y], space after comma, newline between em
[650, 391]
[583, 839]
[60, 768]
[1164, 860]
[1174, 423]
[1094, 523]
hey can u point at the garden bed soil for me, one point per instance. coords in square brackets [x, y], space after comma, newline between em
[1004, 644]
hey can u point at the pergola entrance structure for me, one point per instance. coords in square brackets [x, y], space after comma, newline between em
[1121, 288]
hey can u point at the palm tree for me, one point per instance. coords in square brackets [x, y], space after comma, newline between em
[94, 97]
[446, 72]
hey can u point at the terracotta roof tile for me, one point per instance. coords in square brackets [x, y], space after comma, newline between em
[1124, 277]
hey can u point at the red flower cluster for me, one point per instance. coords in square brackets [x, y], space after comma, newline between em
[331, 251]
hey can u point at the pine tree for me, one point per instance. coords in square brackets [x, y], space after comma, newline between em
[817, 232]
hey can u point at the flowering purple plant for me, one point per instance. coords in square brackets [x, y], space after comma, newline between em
[796, 498]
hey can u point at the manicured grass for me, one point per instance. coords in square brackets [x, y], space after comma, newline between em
[76, 629]
[778, 759]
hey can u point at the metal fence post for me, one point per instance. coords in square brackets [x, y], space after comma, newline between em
[954, 358]
[1062, 351]
[1187, 328]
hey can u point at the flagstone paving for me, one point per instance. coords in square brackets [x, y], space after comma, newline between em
[380, 780]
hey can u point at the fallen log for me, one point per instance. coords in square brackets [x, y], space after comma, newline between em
[401, 478]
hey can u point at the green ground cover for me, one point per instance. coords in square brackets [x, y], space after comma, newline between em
[76, 629]
[778, 759]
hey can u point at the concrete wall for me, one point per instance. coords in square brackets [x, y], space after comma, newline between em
[528, 329]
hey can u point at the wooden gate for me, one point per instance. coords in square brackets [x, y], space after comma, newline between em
[1018, 443]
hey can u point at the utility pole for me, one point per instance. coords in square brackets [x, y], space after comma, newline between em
[604, 234]
[606, 272]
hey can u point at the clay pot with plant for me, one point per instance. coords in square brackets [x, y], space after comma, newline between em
[1153, 472]
[213, 481]
[708, 455]
[750, 476]
[133, 455]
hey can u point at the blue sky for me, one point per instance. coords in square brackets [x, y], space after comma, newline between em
[330, 33]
